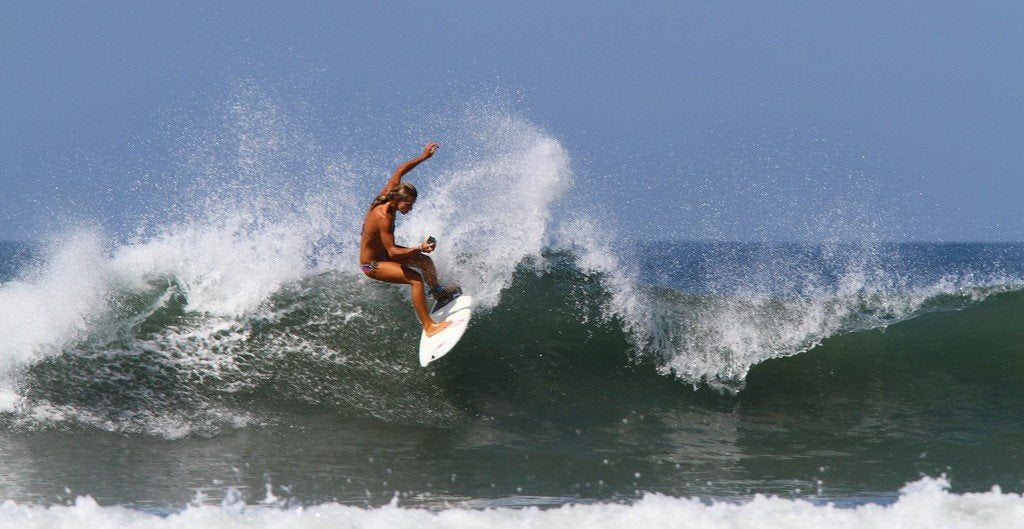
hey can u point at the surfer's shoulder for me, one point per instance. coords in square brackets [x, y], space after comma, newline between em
[380, 214]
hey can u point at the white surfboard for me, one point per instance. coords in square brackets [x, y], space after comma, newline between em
[458, 312]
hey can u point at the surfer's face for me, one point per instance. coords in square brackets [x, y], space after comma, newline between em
[405, 206]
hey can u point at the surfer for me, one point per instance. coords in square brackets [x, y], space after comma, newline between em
[381, 259]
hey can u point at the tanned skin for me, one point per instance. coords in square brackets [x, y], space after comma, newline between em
[378, 244]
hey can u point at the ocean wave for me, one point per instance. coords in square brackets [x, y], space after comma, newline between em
[118, 328]
[340, 342]
[249, 295]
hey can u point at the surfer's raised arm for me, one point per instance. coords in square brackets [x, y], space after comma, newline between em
[404, 169]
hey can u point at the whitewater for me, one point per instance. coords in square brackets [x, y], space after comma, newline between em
[921, 504]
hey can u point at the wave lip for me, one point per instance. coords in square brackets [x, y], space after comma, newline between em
[49, 307]
[721, 309]
[926, 503]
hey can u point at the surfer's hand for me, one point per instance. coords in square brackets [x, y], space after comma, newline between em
[428, 151]
[426, 247]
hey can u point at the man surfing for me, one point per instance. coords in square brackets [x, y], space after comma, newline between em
[381, 259]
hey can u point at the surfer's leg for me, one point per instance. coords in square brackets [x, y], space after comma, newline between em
[425, 265]
[393, 272]
[443, 295]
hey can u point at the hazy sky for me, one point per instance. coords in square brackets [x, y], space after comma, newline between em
[737, 120]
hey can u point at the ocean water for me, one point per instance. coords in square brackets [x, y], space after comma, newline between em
[228, 365]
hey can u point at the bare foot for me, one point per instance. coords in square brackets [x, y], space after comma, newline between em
[436, 328]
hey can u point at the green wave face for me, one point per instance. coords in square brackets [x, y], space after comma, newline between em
[341, 344]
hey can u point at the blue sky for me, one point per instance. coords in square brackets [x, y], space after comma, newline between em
[746, 120]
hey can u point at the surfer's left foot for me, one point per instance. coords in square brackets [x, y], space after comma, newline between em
[431, 330]
[445, 296]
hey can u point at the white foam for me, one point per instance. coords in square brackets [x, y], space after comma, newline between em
[922, 504]
[31, 415]
[8, 400]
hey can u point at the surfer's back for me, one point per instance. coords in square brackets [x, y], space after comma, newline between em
[371, 248]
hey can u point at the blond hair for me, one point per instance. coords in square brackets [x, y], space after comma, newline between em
[404, 191]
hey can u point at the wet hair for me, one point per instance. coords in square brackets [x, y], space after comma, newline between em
[403, 191]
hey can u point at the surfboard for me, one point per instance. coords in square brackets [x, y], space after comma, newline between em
[458, 312]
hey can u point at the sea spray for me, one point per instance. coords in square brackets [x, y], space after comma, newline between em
[54, 302]
[494, 212]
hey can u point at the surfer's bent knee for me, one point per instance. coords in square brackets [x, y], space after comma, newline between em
[414, 260]
[412, 275]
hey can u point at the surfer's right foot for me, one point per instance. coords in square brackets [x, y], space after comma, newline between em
[445, 296]
[435, 328]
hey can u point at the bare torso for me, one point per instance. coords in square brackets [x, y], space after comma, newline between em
[371, 247]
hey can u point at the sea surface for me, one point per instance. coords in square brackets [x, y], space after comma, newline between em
[228, 365]
[720, 378]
